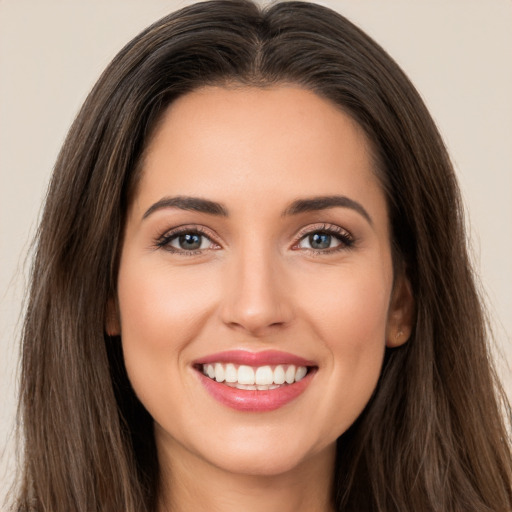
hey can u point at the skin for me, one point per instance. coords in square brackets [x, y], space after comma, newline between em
[256, 284]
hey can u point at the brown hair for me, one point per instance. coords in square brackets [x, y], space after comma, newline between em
[431, 438]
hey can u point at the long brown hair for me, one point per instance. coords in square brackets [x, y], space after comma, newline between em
[433, 435]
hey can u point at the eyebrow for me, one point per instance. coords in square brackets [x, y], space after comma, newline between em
[298, 206]
[195, 204]
[324, 203]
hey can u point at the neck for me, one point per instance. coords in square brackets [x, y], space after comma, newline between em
[191, 483]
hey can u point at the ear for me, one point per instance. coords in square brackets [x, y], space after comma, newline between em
[112, 323]
[401, 313]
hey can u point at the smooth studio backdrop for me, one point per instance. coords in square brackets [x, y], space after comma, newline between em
[458, 53]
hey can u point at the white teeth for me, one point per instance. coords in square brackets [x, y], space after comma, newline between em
[245, 375]
[245, 386]
[264, 376]
[300, 373]
[279, 375]
[219, 373]
[261, 378]
[231, 373]
[290, 374]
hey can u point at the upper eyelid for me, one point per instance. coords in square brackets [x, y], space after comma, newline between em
[189, 228]
[328, 227]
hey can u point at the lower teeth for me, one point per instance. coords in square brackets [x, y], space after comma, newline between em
[252, 387]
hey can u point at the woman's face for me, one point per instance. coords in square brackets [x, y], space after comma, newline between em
[256, 250]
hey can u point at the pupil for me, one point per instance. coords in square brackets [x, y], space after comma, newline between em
[320, 241]
[190, 241]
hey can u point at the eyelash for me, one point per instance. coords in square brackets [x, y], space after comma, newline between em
[164, 242]
[343, 236]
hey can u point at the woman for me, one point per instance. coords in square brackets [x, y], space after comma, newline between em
[251, 287]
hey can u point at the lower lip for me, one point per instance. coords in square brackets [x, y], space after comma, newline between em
[254, 400]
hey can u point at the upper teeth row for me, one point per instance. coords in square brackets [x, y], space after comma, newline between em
[261, 375]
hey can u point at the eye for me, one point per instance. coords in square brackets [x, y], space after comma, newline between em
[319, 241]
[190, 242]
[186, 241]
[325, 239]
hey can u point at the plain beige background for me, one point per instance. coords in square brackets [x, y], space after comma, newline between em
[458, 53]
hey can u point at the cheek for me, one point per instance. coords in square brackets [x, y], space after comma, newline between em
[350, 320]
[161, 312]
[160, 307]
[349, 307]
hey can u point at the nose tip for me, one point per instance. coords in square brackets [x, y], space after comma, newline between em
[256, 321]
[257, 301]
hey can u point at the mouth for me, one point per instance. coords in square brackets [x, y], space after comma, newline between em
[260, 378]
[257, 382]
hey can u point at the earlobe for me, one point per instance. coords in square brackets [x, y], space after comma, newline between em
[112, 324]
[401, 313]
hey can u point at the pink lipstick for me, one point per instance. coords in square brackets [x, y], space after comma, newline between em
[255, 381]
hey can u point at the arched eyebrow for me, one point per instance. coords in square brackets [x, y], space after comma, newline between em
[298, 206]
[325, 202]
[195, 204]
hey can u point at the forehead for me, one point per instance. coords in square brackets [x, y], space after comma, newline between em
[284, 141]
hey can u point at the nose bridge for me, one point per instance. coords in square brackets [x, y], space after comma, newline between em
[255, 298]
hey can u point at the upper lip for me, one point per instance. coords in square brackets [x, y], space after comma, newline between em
[263, 358]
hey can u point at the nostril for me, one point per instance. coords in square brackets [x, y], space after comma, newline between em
[256, 304]
[256, 327]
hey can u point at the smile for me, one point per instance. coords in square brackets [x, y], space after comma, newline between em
[261, 378]
[256, 382]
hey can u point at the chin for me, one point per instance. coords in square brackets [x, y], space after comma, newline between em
[262, 452]
[259, 463]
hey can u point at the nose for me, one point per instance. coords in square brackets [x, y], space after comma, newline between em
[257, 298]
